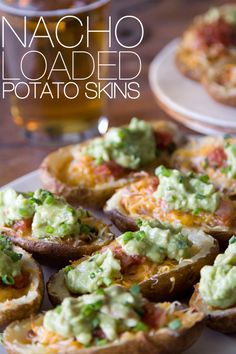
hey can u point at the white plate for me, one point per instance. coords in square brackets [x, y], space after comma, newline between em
[210, 341]
[184, 96]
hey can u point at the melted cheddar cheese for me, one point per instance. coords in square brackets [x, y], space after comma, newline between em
[138, 201]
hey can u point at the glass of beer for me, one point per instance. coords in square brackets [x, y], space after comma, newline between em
[49, 57]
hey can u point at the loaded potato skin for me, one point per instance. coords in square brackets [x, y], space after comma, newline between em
[90, 172]
[209, 39]
[145, 326]
[46, 225]
[164, 261]
[21, 283]
[215, 293]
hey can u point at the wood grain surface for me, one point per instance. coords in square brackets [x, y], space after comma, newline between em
[163, 20]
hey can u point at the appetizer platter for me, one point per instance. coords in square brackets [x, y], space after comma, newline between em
[160, 279]
[201, 64]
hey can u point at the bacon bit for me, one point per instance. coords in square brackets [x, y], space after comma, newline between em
[125, 259]
[22, 225]
[21, 281]
[110, 168]
[163, 140]
[98, 333]
[217, 158]
[154, 316]
[225, 211]
[219, 32]
[30, 334]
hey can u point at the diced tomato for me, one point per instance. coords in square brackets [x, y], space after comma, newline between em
[152, 187]
[154, 316]
[21, 281]
[98, 333]
[22, 225]
[225, 211]
[217, 157]
[110, 168]
[125, 259]
[220, 32]
[163, 140]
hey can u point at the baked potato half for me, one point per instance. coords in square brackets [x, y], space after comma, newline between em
[213, 156]
[210, 38]
[215, 295]
[220, 82]
[177, 198]
[90, 172]
[161, 276]
[20, 295]
[50, 228]
[146, 328]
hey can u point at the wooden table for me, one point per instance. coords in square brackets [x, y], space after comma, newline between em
[163, 20]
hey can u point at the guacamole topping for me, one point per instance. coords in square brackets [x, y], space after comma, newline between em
[157, 242]
[52, 216]
[228, 13]
[13, 207]
[10, 262]
[218, 282]
[130, 147]
[154, 240]
[113, 310]
[230, 150]
[96, 271]
[186, 192]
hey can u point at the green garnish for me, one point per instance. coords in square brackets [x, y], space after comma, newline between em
[8, 280]
[232, 240]
[162, 170]
[135, 289]
[107, 281]
[68, 268]
[49, 229]
[101, 342]
[140, 327]
[175, 324]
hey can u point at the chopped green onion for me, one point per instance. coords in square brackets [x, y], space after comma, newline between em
[49, 229]
[232, 240]
[135, 289]
[68, 268]
[101, 342]
[107, 281]
[175, 324]
[127, 236]
[140, 327]
[8, 279]
[162, 170]
[204, 178]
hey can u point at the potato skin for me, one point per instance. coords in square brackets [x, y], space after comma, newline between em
[95, 197]
[220, 320]
[164, 341]
[161, 287]
[58, 253]
[13, 311]
[218, 92]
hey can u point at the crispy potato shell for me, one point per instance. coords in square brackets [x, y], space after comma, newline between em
[220, 320]
[60, 252]
[163, 341]
[27, 301]
[166, 285]
[54, 163]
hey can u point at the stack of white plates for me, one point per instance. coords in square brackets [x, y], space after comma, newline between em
[185, 100]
